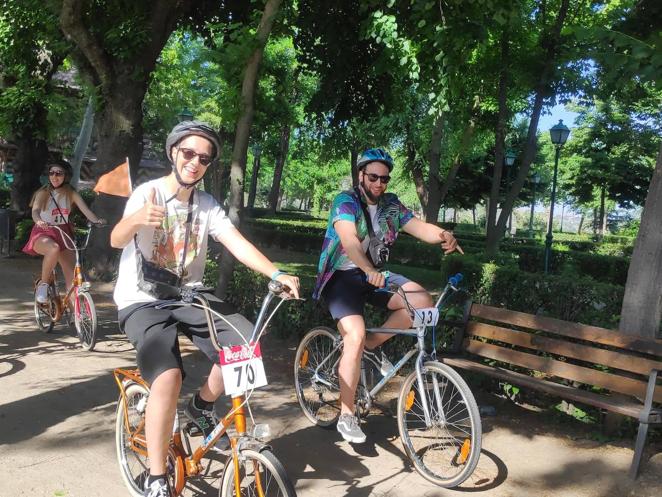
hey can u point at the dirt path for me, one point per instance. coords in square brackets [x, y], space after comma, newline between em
[57, 406]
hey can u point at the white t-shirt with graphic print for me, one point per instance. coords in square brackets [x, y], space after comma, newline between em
[164, 245]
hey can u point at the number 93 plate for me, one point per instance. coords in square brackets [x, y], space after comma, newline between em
[242, 368]
[427, 316]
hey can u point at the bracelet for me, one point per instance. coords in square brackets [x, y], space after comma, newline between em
[277, 273]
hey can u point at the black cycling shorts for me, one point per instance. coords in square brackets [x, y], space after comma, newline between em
[153, 333]
[347, 292]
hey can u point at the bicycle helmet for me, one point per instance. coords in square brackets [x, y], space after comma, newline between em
[375, 155]
[188, 128]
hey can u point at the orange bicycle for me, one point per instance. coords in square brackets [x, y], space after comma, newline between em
[251, 467]
[84, 312]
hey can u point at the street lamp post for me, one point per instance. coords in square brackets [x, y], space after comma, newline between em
[536, 180]
[558, 134]
[509, 160]
[185, 115]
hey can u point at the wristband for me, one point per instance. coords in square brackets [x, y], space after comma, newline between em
[277, 273]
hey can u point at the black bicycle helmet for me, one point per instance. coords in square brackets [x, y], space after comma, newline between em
[375, 155]
[62, 164]
[188, 128]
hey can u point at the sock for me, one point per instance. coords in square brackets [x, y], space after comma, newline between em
[202, 404]
[152, 478]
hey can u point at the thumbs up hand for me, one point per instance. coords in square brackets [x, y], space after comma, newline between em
[152, 213]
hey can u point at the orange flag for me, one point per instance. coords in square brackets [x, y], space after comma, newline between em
[116, 182]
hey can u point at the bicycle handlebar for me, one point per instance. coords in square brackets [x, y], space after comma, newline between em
[67, 239]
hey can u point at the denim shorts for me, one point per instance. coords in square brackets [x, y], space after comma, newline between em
[347, 292]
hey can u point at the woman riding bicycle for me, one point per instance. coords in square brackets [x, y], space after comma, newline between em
[163, 234]
[52, 205]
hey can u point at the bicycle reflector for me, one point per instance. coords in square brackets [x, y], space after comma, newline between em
[410, 400]
[464, 451]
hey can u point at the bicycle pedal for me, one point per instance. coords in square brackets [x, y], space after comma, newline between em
[192, 430]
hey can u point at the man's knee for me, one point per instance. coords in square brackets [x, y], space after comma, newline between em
[353, 332]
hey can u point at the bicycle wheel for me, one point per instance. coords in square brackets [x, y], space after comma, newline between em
[447, 451]
[43, 313]
[131, 445]
[317, 388]
[260, 473]
[85, 320]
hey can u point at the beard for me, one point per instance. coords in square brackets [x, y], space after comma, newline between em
[366, 191]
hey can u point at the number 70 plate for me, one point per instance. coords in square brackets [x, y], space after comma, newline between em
[242, 368]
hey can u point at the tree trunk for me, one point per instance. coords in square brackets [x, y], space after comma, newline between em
[283, 150]
[473, 215]
[581, 224]
[29, 163]
[551, 44]
[353, 158]
[242, 134]
[121, 82]
[601, 216]
[415, 167]
[82, 141]
[434, 183]
[642, 300]
[493, 235]
[252, 191]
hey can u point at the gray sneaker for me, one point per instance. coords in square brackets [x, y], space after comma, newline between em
[206, 421]
[348, 427]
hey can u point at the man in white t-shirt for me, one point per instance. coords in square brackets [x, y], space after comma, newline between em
[166, 222]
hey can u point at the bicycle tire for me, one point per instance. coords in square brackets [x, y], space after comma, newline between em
[447, 452]
[319, 402]
[44, 319]
[85, 320]
[261, 473]
[134, 466]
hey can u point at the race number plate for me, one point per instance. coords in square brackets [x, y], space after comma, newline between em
[426, 317]
[242, 369]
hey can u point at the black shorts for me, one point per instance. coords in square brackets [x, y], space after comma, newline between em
[347, 292]
[153, 333]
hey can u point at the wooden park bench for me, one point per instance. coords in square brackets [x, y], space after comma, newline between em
[567, 360]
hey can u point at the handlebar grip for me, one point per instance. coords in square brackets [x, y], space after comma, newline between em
[455, 280]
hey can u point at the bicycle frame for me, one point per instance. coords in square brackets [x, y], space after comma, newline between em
[419, 333]
[191, 460]
[78, 283]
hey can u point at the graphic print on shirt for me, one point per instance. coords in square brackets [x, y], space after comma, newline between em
[168, 242]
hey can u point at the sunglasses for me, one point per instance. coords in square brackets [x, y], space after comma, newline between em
[56, 173]
[189, 155]
[372, 177]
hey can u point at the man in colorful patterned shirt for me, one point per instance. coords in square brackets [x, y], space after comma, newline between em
[348, 274]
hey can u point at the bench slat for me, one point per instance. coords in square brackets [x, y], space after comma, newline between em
[614, 404]
[561, 369]
[612, 359]
[569, 329]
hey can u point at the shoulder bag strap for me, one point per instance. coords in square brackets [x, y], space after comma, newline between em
[66, 219]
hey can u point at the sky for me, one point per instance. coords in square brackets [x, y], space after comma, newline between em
[557, 112]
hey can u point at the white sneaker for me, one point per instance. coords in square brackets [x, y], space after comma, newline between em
[42, 293]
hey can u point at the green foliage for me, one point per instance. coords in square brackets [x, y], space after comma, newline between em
[568, 297]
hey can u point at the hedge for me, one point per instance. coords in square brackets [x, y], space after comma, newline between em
[577, 299]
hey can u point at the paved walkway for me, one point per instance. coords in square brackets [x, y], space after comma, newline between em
[57, 412]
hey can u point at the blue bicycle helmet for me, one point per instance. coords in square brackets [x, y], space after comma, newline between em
[375, 155]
